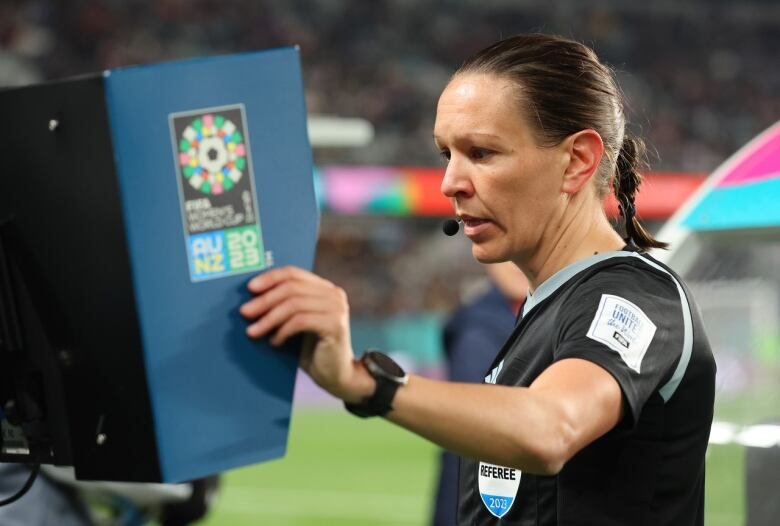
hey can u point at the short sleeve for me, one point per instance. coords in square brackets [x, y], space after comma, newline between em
[629, 321]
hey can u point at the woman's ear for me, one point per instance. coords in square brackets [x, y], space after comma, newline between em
[585, 149]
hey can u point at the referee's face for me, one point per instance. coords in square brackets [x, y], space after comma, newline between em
[505, 187]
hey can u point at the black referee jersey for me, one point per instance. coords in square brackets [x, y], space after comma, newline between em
[634, 317]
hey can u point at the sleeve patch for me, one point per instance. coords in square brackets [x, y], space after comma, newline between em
[624, 328]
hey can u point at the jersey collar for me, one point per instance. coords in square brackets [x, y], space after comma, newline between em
[555, 281]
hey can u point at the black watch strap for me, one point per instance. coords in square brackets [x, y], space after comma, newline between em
[389, 377]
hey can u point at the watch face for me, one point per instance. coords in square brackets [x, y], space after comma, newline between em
[385, 364]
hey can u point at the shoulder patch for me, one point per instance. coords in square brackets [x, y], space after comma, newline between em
[624, 328]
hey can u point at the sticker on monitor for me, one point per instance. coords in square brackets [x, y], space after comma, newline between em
[217, 193]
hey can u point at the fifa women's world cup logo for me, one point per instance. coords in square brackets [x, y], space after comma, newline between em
[218, 199]
[212, 154]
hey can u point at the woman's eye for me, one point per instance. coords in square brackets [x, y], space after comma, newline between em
[445, 154]
[479, 153]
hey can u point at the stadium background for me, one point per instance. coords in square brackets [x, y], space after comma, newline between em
[701, 77]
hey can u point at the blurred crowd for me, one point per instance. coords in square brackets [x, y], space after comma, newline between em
[702, 78]
[391, 267]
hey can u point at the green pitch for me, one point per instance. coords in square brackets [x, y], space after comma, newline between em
[343, 470]
[339, 469]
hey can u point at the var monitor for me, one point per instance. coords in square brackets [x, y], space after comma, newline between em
[134, 207]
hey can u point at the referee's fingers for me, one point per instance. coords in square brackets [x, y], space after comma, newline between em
[303, 322]
[266, 300]
[271, 278]
[289, 308]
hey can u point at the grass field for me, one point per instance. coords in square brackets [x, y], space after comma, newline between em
[341, 470]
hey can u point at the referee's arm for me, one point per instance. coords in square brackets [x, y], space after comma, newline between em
[535, 429]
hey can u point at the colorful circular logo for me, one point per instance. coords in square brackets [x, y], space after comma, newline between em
[212, 154]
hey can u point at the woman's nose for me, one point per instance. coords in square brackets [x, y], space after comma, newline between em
[456, 182]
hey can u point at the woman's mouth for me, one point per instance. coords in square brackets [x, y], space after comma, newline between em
[472, 226]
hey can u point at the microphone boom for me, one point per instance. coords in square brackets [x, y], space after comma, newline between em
[450, 227]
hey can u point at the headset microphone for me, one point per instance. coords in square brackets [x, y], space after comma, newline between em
[451, 227]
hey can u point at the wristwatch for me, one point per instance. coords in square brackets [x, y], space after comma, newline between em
[389, 377]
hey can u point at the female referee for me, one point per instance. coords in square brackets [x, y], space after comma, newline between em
[597, 410]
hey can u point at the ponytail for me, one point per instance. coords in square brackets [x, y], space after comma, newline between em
[625, 185]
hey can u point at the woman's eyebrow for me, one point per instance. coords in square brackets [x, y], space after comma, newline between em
[436, 138]
[481, 134]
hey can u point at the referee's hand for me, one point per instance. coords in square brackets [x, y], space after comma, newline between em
[290, 301]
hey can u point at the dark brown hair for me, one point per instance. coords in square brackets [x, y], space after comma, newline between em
[565, 89]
